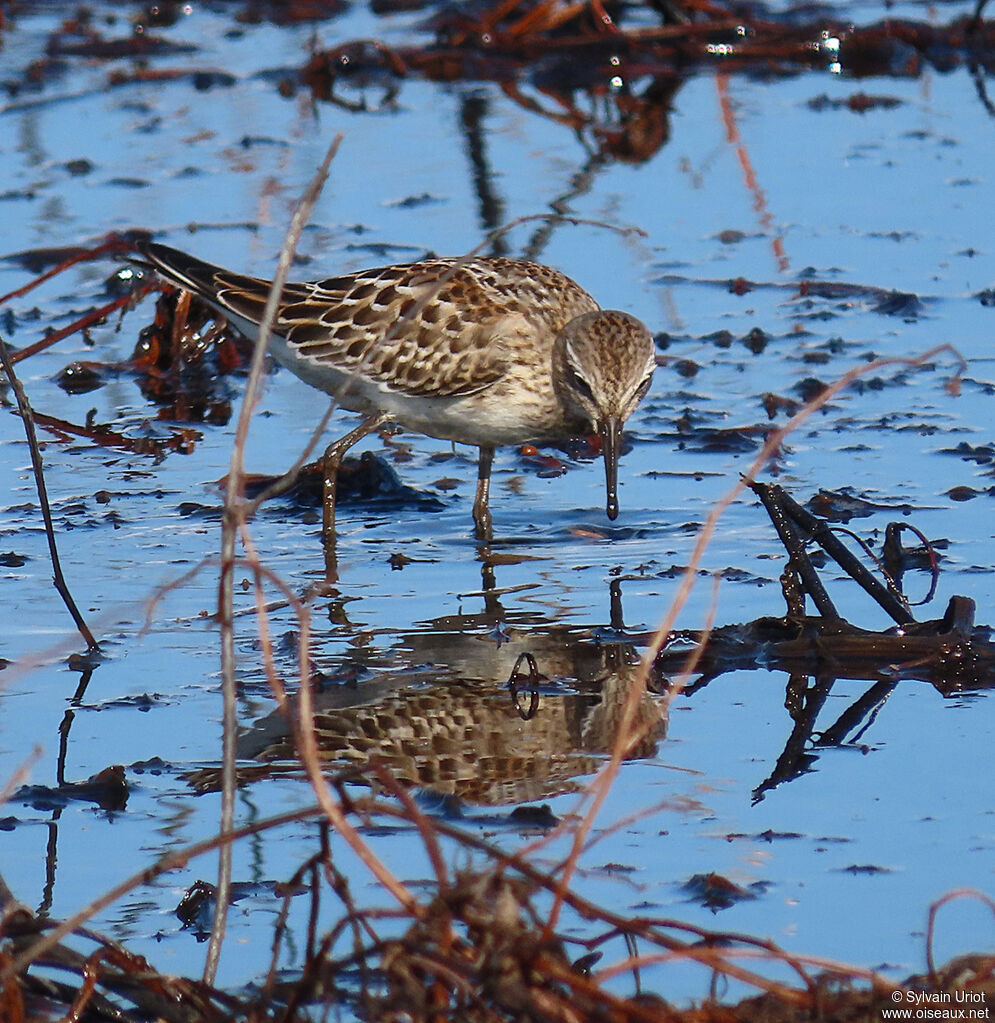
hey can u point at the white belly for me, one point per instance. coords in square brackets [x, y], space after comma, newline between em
[504, 413]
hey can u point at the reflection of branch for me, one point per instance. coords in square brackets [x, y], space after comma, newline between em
[866, 707]
[27, 418]
[570, 116]
[949, 652]
[795, 759]
[486, 47]
[981, 86]
[580, 184]
[742, 153]
[473, 110]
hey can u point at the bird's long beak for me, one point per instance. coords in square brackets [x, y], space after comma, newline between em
[611, 445]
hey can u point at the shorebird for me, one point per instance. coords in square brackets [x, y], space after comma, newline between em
[480, 351]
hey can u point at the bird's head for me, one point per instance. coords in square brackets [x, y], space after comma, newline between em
[603, 363]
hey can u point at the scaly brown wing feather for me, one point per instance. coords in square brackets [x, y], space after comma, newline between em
[429, 329]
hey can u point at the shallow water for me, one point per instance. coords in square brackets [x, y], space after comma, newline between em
[897, 199]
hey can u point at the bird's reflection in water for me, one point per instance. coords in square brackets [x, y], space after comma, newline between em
[443, 719]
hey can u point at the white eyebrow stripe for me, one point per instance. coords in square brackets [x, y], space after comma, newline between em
[645, 380]
[571, 355]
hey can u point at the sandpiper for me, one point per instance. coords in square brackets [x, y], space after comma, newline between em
[481, 351]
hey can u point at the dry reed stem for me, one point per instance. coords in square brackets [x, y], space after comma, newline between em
[307, 750]
[232, 517]
[38, 469]
[797, 961]
[421, 821]
[20, 774]
[680, 805]
[309, 866]
[278, 689]
[284, 482]
[957, 893]
[648, 930]
[303, 726]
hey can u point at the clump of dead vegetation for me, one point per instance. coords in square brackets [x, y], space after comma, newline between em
[483, 947]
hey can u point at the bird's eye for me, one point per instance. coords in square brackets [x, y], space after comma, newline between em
[580, 385]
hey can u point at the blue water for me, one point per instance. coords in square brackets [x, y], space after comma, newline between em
[896, 198]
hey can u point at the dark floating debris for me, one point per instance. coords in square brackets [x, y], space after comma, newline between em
[899, 303]
[108, 789]
[756, 341]
[363, 479]
[715, 892]
[965, 493]
[844, 505]
[982, 454]
[534, 816]
[81, 377]
[859, 103]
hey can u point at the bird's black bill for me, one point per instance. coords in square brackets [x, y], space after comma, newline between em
[611, 445]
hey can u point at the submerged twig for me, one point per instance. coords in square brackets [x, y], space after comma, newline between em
[112, 243]
[890, 602]
[27, 418]
[772, 499]
[95, 316]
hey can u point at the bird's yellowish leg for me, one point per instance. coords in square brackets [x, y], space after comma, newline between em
[481, 511]
[334, 454]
